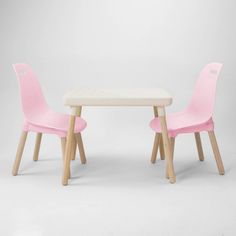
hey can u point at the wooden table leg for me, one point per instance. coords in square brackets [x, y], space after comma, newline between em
[79, 140]
[81, 148]
[155, 147]
[73, 150]
[69, 142]
[167, 146]
[162, 153]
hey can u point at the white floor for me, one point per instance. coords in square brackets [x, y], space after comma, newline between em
[118, 192]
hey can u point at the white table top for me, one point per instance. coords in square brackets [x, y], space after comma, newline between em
[118, 97]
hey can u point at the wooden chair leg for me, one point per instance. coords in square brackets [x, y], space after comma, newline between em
[161, 146]
[162, 153]
[73, 150]
[199, 146]
[70, 133]
[81, 148]
[19, 152]
[155, 147]
[216, 152]
[63, 149]
[75, 111]
[167, 146]
[37, 146]
[172, 144]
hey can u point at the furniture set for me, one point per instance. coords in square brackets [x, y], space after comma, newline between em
[41, 119]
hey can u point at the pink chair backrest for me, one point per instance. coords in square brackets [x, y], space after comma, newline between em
[32, 99]
[202, 103]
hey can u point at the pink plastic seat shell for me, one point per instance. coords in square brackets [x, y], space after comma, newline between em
[38, 117]
[198, 115]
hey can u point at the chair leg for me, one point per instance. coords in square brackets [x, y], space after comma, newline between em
[63, 149]
[81, 148]
[155, 147]
[161, 145]
[199, 146]
[162, 153]
[37, 146]
[216, 152]
[167, 146]
[172, 144]
[19, 152]
[73, 150]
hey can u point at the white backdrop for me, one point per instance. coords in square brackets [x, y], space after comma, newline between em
[117, 43]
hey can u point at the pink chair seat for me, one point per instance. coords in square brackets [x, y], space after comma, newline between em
[38, 116]
[53, 123]
[183, 122]
[198, 114]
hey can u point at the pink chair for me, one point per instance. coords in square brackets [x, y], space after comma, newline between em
[197, 117]
[39, 118]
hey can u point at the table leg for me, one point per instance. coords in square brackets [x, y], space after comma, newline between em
[155, 147]
[69, 143]
[162, 154]
[73, 150]
[79, 140]
[167, 146]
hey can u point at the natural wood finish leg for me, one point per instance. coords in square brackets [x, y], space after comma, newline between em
[216, 152]
[199, 146]
[73, 150]
[162, 153]
[172, 144]
[69, 139]
[155, 111]
[63, 149]
[155, 147]
[37, 146]
[161, 147]
[19, 152]
[167, 146]
[81, 148]
[79, 141]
